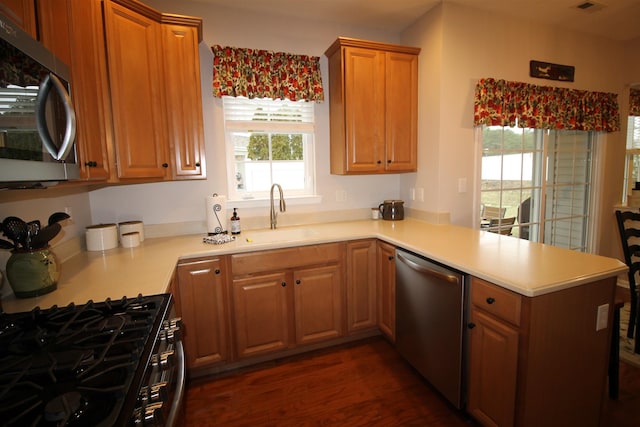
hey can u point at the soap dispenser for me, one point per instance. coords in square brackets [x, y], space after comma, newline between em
[235, 222]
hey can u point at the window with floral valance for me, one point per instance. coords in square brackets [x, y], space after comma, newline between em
[634, 102]
[505, 103]
[254, 73]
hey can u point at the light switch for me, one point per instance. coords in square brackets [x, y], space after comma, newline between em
[602, 317]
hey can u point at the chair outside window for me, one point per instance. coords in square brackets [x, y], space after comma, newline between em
[502, 226]
[629, 227]
[489, 212]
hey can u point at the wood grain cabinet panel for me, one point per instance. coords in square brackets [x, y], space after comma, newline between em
[285, 298]
[261, 314]
[386, 295]
[361, 285]
[318, 303]
[202, 295]
[373, 91]
[136, 81]
[135, 87]
[492, 370]
[184, 99]
[22, 13]
[539, 360]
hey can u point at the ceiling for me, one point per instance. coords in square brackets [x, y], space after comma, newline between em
[613, 19]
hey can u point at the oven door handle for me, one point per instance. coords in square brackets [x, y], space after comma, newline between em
[178, 397]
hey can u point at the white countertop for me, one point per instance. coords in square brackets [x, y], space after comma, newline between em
[530, 269]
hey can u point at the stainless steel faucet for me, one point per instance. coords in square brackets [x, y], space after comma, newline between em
[283, 206]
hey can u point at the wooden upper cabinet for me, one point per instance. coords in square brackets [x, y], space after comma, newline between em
[184, 98]
[373, 106]
[54, 23]
[22, 13]
[90, 90]
[136, 81]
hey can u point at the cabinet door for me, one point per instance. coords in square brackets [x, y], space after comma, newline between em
[364, 110]
[318, 304]
[53, 26]
[184, 117]
[202, 296]
[137, 84]
[387, 290]
[260, 314]
[90, 89]
[22, 13]
[361, 285]
[401, 113]
[493, 361]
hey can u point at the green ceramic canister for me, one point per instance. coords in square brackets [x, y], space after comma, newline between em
[33, 273]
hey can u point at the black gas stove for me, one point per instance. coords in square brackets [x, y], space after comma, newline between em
[111, 363]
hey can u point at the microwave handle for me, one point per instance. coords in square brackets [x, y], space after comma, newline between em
[41, 120]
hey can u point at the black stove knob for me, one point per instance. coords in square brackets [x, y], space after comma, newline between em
[175, 322]
[149, 415]
[164, 360]
[174, 335]
[152, 415]
[158, 392]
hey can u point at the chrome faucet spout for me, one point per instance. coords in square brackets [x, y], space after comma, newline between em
[283, 206]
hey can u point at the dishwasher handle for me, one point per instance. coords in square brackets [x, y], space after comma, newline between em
[451, 278]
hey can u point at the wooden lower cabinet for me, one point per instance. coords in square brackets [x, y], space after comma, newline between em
[260, 314]
[286, 298]
[493, 370]
[361, 285]
[202, 299]
[386, 289]
[538, 361]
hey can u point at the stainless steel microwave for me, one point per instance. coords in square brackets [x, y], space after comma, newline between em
[37, 120]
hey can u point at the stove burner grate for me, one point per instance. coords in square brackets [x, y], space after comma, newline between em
[74, 365]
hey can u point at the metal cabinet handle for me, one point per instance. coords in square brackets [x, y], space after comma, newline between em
[390, 258]
[165, 165]
[283, 284]
[471, 325]
[298, 281]
[491, 300]
[217, 271]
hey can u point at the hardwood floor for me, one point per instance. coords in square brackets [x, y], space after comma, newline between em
[360, 384]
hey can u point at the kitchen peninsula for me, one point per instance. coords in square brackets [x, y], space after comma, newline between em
[546, 308]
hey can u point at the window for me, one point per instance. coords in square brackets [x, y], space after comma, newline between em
[543, 178]
[632, 176]
[269, 141]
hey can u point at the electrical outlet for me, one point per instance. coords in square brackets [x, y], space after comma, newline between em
[412, 191]
[420, 194]
[462, 185]
[602, 317]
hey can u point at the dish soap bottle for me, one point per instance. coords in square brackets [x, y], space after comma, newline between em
[235, 222]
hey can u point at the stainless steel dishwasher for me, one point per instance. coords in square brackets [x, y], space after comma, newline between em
[430, 311]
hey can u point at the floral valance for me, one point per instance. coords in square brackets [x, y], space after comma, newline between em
[265, 74]
[634, 102]
[503, 103]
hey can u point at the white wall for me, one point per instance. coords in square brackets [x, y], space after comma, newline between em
[462, 45]
[177, 202]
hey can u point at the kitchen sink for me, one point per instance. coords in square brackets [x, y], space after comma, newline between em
[279, 235]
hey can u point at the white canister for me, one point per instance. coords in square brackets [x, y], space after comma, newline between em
[102, 237]
[132, 227]
[130, 240]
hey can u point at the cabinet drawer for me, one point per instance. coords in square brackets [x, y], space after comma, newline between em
[279, 259]
[493, 299]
